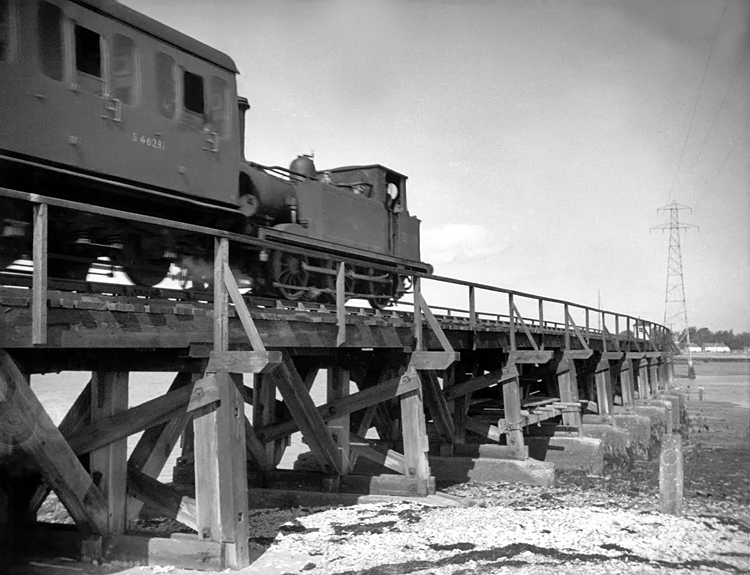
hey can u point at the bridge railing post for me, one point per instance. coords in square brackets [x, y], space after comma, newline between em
[541, 322]
[472, 315]
[617, 331]
[512, 319]
[39, 275]
[418, 336]
[340, 304]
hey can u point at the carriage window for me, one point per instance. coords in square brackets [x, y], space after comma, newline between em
[6, 31]
[123, 69]
[49, 21]
[219, 118]
[193, 93]
[89, 60]
[165, 85]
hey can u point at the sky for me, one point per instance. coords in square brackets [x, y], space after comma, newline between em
[540, 137]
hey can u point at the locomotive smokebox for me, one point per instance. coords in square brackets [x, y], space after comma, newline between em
[303, 165]
[243, 105]
[276, 198]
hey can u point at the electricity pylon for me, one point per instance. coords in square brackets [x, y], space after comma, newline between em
[675, 306]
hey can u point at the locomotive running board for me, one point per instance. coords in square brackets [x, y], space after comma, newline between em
[290, 238]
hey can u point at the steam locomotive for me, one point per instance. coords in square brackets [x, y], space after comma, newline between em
[105, 106]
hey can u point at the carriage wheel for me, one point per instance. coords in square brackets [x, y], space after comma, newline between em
[68, 269]
[288, 270]
[142, 266]
[8, 254]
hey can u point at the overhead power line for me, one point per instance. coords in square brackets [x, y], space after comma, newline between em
[697, 99]
[718, 112]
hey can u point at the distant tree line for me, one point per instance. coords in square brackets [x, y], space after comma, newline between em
[735, 341]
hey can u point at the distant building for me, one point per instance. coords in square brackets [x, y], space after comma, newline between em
[695, 349]
[716, 348]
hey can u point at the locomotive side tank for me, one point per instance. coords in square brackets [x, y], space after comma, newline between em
[103, 105]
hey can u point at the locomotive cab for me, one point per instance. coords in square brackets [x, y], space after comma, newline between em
[384, 208]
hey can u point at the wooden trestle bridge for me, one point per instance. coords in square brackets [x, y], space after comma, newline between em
[435, 385]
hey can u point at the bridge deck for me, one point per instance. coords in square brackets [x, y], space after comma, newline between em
[100, 321]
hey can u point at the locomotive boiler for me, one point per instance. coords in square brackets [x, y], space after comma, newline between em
[104, 106]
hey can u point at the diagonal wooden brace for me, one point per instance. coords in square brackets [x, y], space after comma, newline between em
[437, 405]
[499, 376]
[203, 395]
[306, 415]
[43, 442]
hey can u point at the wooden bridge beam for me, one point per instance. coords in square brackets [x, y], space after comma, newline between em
[438, 408]
[451, 377]
[42, 441]
[107, 465]
[345, 405]
[377, 414]
[221, 472]
[155, 445]
[146, 489]
[338, 388]
[567, 382]
[512, 408]
[644, 389]
[414, 430]
[475, 384]
[202, 396]
[604, 395]
[78, 415]
[626, 382]
[306, 416]
[266, 413]
[653, 375]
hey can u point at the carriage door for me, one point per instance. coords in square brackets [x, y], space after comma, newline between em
[95, 115]
[208, 153]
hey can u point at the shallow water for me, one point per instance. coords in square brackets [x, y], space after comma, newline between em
[728, 381]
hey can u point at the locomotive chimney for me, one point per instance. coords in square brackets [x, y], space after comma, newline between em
[244, 105]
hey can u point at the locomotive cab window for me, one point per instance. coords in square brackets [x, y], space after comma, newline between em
[50, 39]
[219, 112]
[88, 50]
[123, 69]
[7, 31]
[166, 94]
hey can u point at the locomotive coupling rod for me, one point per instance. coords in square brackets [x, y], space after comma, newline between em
[385, 278]
[330, 271]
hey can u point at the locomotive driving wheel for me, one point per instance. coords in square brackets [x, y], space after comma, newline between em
[381, 289]
[290, 273]
[350, 283]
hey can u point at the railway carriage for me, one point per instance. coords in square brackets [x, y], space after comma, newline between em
[105, 106]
